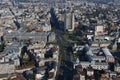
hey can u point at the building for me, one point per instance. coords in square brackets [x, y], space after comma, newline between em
[98, 58]
[7, 68]
[104, 76]
[16, 62]
[100, 66]
[85, 64]
[2, 59]
[108, 55]
[99, 54]
[82, 77]
[37, 46]
[77, 48]
[32, 36]
[40, 73]
[79, 77]
[69, 21]
[99, 30]
[101, 41]
[42, 27]
[117, 67]
[90, 72]
[113, 76]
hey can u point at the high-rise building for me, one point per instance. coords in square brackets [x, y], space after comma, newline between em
[69, 21]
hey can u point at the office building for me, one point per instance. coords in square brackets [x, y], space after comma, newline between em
[69, 21]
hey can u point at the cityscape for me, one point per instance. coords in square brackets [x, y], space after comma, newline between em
[59, 39]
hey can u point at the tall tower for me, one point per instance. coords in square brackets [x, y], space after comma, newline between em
[69, 22]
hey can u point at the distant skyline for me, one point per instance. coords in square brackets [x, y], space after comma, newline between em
[63, 0]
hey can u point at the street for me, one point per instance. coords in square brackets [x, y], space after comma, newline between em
[65, 65]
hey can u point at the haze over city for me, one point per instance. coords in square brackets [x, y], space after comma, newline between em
[59, 39]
